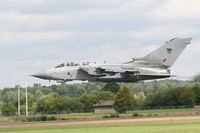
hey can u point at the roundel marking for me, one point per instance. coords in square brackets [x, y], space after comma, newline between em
[69, 74]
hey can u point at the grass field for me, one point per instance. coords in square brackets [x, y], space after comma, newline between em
[144, 113]
[144, 127]
[141, 113]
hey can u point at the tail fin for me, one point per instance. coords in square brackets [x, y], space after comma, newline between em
[167, 54]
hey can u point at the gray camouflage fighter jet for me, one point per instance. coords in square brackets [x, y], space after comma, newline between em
[152, 66]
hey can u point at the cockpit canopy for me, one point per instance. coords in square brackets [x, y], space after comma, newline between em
[72, 64]
[59, 66]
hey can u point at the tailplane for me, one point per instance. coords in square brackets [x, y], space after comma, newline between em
[167, 54]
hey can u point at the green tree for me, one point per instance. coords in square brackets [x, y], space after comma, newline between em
[34, 107]
[188, 97]
[9, 109]
[76, 105]
[1, 106]
[1, 94]
[23, 109]
[10, 97]
[105, 95]
[154, 100]
[53, 103]
[196, 89]
[38, 93]
[111, 86]
[139, 100]
[88, 102]
[123, 100]
[70, 90]
[148, 102]
[46, 104]
[171, 96]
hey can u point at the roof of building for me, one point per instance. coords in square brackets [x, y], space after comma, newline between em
[104, 103]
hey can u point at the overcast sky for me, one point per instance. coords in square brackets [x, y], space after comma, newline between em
[40, 34]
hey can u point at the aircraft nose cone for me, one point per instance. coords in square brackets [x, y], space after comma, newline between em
[41, 75]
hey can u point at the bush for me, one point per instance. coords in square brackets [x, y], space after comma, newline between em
[51, 118]
[114, 116]
[64, 119]
[35, 118]
[135, 115]
[111, 116]
[43, 118]
[21, 119]
[106, 116]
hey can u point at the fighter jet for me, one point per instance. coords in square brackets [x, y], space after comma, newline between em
[155, 65]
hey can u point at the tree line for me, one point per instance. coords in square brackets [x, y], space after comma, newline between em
[57, 99]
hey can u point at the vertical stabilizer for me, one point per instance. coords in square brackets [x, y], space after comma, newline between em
[167, 54]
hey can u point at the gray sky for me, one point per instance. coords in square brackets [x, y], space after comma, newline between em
[39, 34]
